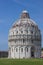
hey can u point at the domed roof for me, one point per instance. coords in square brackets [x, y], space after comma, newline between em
[25, 14]
[25, 25]
[24, 19]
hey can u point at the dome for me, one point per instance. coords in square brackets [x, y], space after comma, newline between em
[24, 19]
[25, 24]
[28, 25]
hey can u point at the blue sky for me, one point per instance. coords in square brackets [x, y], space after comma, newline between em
[10, 10]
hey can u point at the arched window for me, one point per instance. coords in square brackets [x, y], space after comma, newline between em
[32, 41]
[16, 31]
[12, 49]
[16, 49]
[21, 31]
[15, 41]
[13, 33]
[23, 40]
[31, 31]
[9, 48]
[21, 49]
[27, 49]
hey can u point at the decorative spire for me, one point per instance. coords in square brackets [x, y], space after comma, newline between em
[25, 14]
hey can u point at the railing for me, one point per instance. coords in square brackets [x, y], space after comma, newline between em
[19, 36]
[23, 37]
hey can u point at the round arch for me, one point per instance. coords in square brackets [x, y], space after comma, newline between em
[33, 51]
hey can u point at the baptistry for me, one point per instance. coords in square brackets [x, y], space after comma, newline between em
[24, 39]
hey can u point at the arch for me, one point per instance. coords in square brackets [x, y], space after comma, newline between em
[32, 51]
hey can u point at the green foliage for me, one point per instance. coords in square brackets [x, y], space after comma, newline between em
[21, 61]
[42, 49]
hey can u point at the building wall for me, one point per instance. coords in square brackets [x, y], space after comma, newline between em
[20, 52]
[3, 54]
[24, 34]
[16, 52]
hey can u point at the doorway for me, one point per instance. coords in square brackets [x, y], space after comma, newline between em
[32, 52]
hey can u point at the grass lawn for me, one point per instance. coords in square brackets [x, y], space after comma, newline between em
[21, 61]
